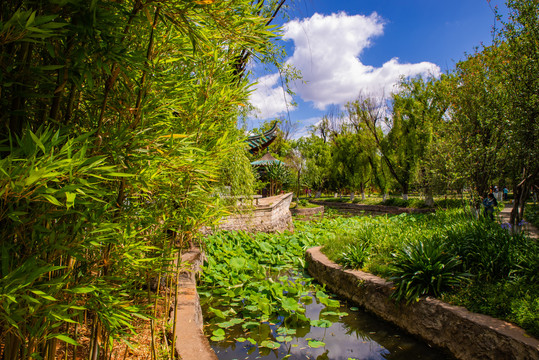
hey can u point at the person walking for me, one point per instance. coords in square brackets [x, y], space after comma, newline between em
[505, 193]
[489, 202]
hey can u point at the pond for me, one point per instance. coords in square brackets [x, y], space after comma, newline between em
[358, 335]
[259, 303]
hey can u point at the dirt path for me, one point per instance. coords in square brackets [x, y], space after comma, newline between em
[529, 229]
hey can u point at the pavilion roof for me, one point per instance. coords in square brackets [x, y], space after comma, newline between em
[258, 143]
[266, 160]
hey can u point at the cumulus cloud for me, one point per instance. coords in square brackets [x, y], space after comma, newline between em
[269, 98]
[327, 51]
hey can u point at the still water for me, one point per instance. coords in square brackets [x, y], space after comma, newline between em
[359, 335]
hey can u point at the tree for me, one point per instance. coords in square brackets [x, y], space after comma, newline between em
[351, 166]
[478, 118]
[317, 154]
[520, 70]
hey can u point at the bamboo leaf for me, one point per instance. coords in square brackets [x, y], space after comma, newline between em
[42, 294]
[66, 339]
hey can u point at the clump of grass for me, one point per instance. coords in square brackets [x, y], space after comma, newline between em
[355, 255]
[425, 268]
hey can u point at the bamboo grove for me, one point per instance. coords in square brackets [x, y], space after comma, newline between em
[116, 118]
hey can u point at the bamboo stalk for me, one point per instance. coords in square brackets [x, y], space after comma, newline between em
[115, 71]
[137, 115]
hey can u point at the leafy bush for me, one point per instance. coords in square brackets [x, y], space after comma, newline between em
[425, 268]
[525, 312]
[487, 250]
[448, 203]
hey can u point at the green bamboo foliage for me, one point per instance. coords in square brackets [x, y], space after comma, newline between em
[114, 118]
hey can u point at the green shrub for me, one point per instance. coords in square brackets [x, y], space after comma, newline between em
[425, 268]
[525, 312]
[449, 203]
[488, 250]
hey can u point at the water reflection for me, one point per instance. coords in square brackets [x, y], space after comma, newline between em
[356, 336]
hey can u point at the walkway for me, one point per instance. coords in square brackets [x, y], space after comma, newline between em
[529, 229]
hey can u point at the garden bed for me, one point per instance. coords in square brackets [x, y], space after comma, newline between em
[370, 209]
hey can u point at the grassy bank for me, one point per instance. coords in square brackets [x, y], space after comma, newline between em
[450, 254]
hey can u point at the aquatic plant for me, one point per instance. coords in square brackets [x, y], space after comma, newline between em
[251, 280]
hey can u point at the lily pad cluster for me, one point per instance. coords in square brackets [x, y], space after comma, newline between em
[254, 290]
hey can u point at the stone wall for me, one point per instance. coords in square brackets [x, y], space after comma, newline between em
[272, 215]
[319, 210]
[465, 334]
[191, 344]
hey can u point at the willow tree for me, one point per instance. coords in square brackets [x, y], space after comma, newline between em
[115, 118]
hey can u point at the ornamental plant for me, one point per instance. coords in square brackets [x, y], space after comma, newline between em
[424, 268]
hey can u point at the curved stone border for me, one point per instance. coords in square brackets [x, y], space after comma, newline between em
[271, 215]
[308, 211]
[465, 334]
[191, 344]
[374, 209]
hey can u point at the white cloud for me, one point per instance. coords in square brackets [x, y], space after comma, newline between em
[327, 50]
[270, 101]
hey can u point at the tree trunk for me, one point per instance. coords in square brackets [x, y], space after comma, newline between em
[429, 200]
[352, 195]
[405, 192]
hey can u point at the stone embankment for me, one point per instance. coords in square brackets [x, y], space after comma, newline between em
[465, 334]
[191, 344]
[270, 215]
[319, 210]
[370, 209]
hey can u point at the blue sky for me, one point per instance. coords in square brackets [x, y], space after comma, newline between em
[344, 48]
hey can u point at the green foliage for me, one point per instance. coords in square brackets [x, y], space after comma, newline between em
[116, 122]
[514, 301]
[411, 202]
[487, 250]
[425, 268]
[435, 252]
[279, 176]
[355, 255]
[532, 214]
[236, 172]
[251, 280]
